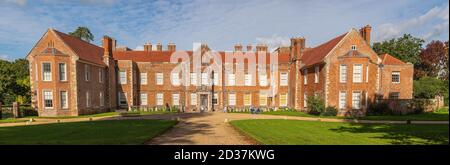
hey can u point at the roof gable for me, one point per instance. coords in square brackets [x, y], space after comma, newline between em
[317, 54]
[387, 59]
[84, 50]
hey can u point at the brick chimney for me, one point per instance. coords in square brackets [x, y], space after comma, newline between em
[147, 47]
[107, 43]
[171, 47]
[158, 47]
[238, 47]
[365, 33]
[249, 48]
[204, 48]
[297, 45]
[261, 47]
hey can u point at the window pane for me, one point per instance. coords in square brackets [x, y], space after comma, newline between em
[343, 73]
[143, 78]
[342, 99]
[247, 99]
[123, 77]
[232, 99]
[263, 80]
[47, 72]
[63, 99]
[159, 99]
[357, 72]
[159, 78]
[143, 98]
[62, 72]
[48, 99]
[262, 99]
[193, 99]
[283, 99]
[283, 79]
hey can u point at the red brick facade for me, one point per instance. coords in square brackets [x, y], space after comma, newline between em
[98, 77]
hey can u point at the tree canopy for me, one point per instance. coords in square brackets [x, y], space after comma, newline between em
[83, 33]
[14, 82]
[406, 48]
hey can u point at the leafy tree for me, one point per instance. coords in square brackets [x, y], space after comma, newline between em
[406, 48]
[429, 87]
[14, 81]
[433, 60]
[83, 33]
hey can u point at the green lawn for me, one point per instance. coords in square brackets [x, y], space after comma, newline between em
[327, 133]
[12, 120]
[439, 115]
[94, 132]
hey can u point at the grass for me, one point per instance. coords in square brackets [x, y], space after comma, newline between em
[12, 120]
[439, 115]
[297, 132]
[94, 132]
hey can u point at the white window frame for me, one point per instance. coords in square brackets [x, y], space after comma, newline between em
[367, 73]
[249, 101]
[44, 96]
[175, 99]
[305, 76]
[46, 76]
[231, 79]
[205, 79]
[391, 94]
[193, 98]
[343, 73]
[194, 79]
[123, 77]
[263, 80]
[342, 99]
[262, 99]
[232, 99]
[216, 96]
[88, 99]
[285, 99]
[61, 98]
[87, 72]
[395, 73]
[144, 99]
[356, 103]
[143, 78]
[62, 77]
[248, 80]
[175, 79]
[159, 78]
[124, 98]
[284, 78]
[102, 99]
[357, 74]
[316, 74]
[354, 47]
[159, 98]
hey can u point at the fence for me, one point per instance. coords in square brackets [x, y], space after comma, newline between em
[16, 111]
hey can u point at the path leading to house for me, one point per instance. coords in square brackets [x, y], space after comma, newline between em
[207, 128]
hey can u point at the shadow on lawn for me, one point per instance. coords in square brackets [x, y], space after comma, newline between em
[401, 134]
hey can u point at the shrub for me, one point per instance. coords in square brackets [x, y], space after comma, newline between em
[330, 111]
[428, 88]
[316, 105]
[381, 108]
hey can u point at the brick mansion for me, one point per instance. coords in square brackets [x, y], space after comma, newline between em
[71, 77]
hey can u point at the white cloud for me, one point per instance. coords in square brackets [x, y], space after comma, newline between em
[274, 41]
[4, 57]
[19, 2]
[437, 15]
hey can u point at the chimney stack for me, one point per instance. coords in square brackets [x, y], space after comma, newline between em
[147, 47]
[107, 44]
[261, 47]
[365, 33]
[158, 47]
[297, 46]
[249, 48]
[204, 48]
[238, 47]
[171, 47]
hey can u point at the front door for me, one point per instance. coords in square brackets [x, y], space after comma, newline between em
[204, 102]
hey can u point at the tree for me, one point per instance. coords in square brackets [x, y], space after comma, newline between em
[445, 65]
[429, 87]
[14, 82]
[406, 48]
[432, 60]
[83, 33]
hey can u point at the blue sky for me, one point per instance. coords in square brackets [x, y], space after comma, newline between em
[218, 23]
